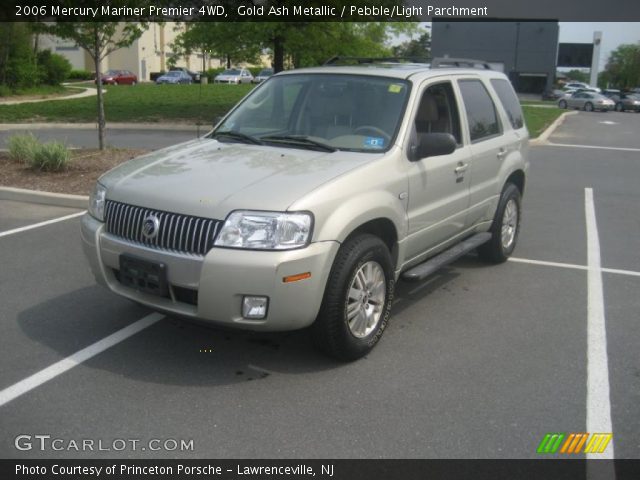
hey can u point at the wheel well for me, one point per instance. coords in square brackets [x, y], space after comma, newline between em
[384, 229]
[517, 178]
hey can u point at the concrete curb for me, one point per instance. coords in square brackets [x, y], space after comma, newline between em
[110, 126]
[543, 139]
[46, 198]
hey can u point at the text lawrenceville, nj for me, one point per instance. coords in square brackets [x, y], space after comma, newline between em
[260, 10]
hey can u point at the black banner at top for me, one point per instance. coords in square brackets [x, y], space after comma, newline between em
[318, 10]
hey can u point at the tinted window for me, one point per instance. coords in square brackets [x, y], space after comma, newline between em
[509, 101]
[481, 112]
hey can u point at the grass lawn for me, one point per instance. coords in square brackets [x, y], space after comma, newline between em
[175, 103]
[35, 92]
[538, 119]
[140, 103]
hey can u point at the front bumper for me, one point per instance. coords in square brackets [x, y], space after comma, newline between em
[211, 288]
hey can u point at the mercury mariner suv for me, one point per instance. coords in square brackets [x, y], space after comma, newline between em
[313, 196]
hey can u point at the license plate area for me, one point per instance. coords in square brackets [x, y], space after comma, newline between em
[143, 275]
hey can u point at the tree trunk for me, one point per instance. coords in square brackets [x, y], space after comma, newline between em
[278, 54]
[228, 61]
[96, 59]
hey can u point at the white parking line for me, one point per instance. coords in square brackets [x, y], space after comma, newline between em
[598, 402]
[543, 263]
[621, 149]
[41, 224]
[58, 368]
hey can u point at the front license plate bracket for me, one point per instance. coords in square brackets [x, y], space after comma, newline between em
[143, 275]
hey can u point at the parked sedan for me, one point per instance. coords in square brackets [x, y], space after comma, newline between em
[627, 101]
[263, 75]
[175, 77]
[587, 101]
[118, 77]
[195, 76]
[234, 75]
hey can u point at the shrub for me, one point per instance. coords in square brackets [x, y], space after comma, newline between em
[53, 157]
[53, 68]
[81, 75]
[5, 91]
[22, 73]
[22, 147]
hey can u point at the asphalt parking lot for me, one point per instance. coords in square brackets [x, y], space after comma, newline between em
[478, 362]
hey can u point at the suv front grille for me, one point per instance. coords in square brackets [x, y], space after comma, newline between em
[176, 232]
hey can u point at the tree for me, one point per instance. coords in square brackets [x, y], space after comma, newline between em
[578, 76]
[419, 48]
[98, 39]
[623, 67]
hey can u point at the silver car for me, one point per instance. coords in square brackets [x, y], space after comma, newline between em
[234, 76]
[587, 101]
[309, 201]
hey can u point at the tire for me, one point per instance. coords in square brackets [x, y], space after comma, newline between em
[588, 107]
[505, 227]
[562, 104]
[133, 83]
[619, 107]
[115, 82]
[354, 315]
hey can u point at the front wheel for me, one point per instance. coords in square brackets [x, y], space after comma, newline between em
[357, 301]
[562, 104]
[588, 107]
[618, 107]
[505, 228]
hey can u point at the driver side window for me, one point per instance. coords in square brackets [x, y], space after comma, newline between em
[438, 112]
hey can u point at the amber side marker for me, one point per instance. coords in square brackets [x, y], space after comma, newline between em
[297, 277]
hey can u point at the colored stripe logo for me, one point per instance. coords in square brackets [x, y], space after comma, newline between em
[573, 443]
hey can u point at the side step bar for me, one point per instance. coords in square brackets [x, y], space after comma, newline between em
[423, 270]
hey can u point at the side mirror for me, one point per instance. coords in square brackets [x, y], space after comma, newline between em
[434, 145]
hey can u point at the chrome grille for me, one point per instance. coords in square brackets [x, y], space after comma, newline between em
[176, 232]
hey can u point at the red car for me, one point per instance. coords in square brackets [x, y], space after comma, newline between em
[118, 77]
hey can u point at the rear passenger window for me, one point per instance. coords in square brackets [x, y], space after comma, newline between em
[481, 112]
[509, 101]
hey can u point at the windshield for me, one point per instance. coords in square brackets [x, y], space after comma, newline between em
[173, 74]
[345, 112]
[231, 72]
[111, 72]
[265, 73]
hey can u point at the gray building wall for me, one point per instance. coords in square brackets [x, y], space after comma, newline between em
[528, 51]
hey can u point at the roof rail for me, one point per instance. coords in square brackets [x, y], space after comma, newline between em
[446, 62]
[339, 60]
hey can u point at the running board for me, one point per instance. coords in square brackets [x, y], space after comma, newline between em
[422, 271]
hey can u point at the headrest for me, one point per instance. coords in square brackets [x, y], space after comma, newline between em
[428, 110]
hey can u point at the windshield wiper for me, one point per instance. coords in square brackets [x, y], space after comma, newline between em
[237, 136]
[299, 140]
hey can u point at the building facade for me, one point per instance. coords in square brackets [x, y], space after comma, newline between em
[152, 52]
[526, 51]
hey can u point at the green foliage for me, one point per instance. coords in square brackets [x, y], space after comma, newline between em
[578, 76]
[419, 48]
[80, 75]
[53, 157]
[27, 149]
[53, 68]
[623, 66]
[17, 63]
[22, 147]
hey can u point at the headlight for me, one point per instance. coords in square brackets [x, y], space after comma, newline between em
[265, 230]
[96, 202]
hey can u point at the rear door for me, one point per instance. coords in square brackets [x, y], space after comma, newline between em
[486, 133]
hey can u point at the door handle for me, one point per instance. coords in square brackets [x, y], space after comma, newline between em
[501, 153]
[461, 168]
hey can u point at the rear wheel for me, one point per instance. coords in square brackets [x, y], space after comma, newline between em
[588, 107]
[115, 82]
[357, 300]
[505, 228]
[619, 107]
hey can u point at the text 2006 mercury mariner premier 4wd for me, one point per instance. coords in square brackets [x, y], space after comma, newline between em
[313, 196]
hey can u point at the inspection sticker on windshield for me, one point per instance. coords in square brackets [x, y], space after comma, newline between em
[374, 142]
[395, 88]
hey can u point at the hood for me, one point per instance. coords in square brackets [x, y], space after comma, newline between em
[208, 178]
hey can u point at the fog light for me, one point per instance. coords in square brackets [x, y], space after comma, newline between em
[254, 307]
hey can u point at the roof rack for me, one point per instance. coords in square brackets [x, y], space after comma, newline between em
[339, 60]
[446, 62]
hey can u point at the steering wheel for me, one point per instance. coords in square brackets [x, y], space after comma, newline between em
[363, 129]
